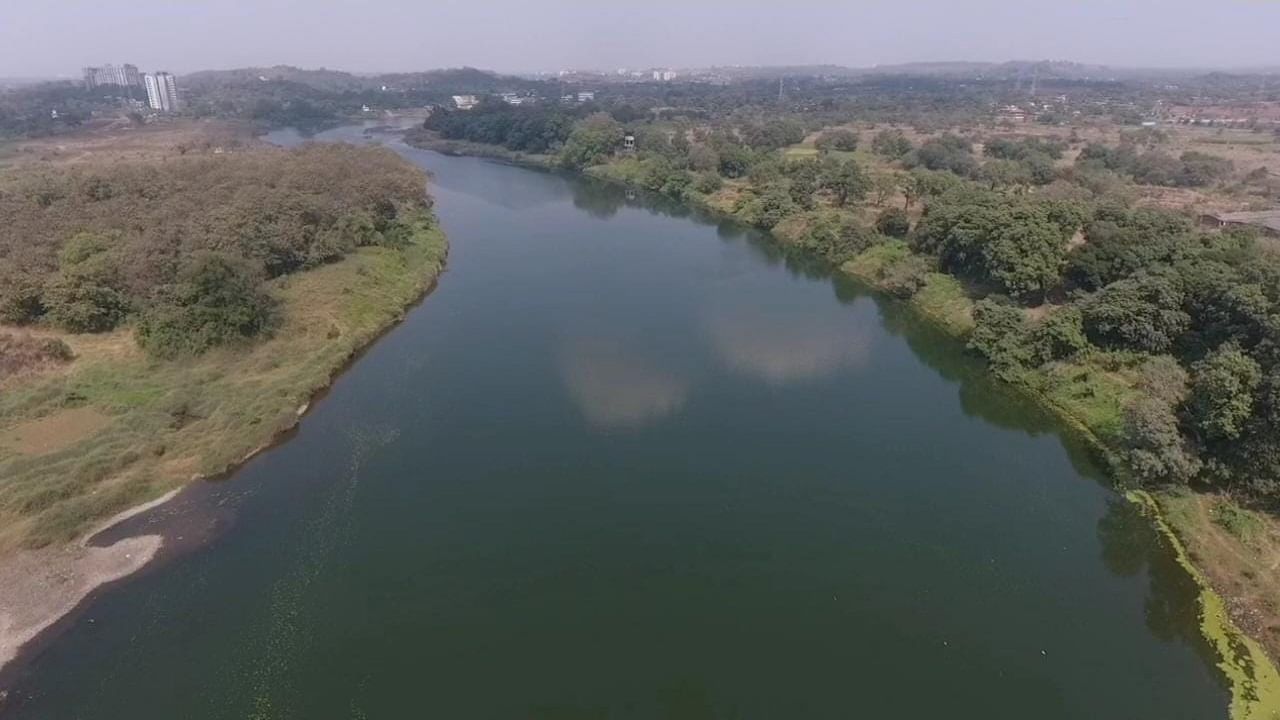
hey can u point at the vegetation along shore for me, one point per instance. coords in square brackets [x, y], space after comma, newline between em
[168, 314]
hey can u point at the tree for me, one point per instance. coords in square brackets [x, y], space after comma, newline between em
[591, 141]
[1156, 450]
[1142, 313]
[1018, 246]
[893, 222]
[776, 205]
[78, 303]
[999, 334]
[21, 299]
[891, 144]
[1001, 173]
[772, 134]
[1058, 336]
[1223, 391]
[883, 187]
[841, 139]
[217, 299]
[947, 152]
[846, 181]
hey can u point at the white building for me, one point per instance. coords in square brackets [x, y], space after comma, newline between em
[668, 75]
[162, 92]
[465, 102]
[586, 96]
[119, 76]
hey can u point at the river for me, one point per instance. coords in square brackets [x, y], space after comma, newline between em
[627, 461]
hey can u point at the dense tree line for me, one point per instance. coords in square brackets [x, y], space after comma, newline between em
[539, 128]
[184, 246]
[1194, 312]
[1154, 166]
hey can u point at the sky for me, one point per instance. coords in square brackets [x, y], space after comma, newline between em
[45, 38]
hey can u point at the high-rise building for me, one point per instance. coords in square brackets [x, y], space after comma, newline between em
[112, 75]
[162, 92]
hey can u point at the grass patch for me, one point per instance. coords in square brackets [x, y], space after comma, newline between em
[1089, 390]
[944, 299]
[1240, 523]
[170, 420]
[872, 264]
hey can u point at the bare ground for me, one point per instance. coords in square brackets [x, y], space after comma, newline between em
[37, 587]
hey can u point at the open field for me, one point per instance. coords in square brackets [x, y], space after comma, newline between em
[123, 140]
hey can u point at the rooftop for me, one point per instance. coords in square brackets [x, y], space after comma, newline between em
[1265, 218]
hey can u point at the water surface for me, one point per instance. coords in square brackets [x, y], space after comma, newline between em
[627, 462]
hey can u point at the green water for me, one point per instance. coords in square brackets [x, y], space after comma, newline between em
[629, 463]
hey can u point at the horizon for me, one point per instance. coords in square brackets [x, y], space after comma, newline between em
[1244, 69]
[561, 34]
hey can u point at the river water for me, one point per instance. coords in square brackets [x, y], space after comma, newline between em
[629, 462]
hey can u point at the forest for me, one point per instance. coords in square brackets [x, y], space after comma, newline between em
[182, 248]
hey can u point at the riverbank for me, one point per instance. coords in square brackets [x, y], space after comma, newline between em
[117, 429]
[1234, 549]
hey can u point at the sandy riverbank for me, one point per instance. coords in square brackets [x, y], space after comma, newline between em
[39, 587]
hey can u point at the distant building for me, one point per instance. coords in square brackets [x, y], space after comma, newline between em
[1012, 114]
[668, 75]
[162, 92]
[657, 75]
[112, 75]
[629, 143]
[465, 102]
[586, 96]
[1267, 221]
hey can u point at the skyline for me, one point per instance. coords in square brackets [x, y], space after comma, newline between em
[564, 34]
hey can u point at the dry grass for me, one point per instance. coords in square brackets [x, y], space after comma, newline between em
[122, 140]
[53, 432]
[156, 424]
[22, 353]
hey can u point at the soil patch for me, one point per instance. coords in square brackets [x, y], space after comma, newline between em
[54, 432]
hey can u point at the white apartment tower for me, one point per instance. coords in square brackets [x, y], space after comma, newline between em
[162, 92]
[120, 76]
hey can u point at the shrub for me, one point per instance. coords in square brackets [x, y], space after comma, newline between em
[707, 183]
[893, 222]
[21, 300]
[1223, 390]
[838, 139]
[217, 299]
[1157, 451]
[1143, 313]
[77, 304]
[1059, 336]
[906, 277]
[1000, 335]
[891, 144]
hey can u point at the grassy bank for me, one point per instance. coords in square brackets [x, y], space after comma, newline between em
[114, 428]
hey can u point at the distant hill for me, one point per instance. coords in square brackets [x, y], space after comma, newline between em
[1009, 70]
[463, 80]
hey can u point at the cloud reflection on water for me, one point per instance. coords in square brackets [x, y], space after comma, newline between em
[615, 387]
[781, 347]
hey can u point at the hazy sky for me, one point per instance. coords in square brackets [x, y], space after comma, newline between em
[57, 37]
